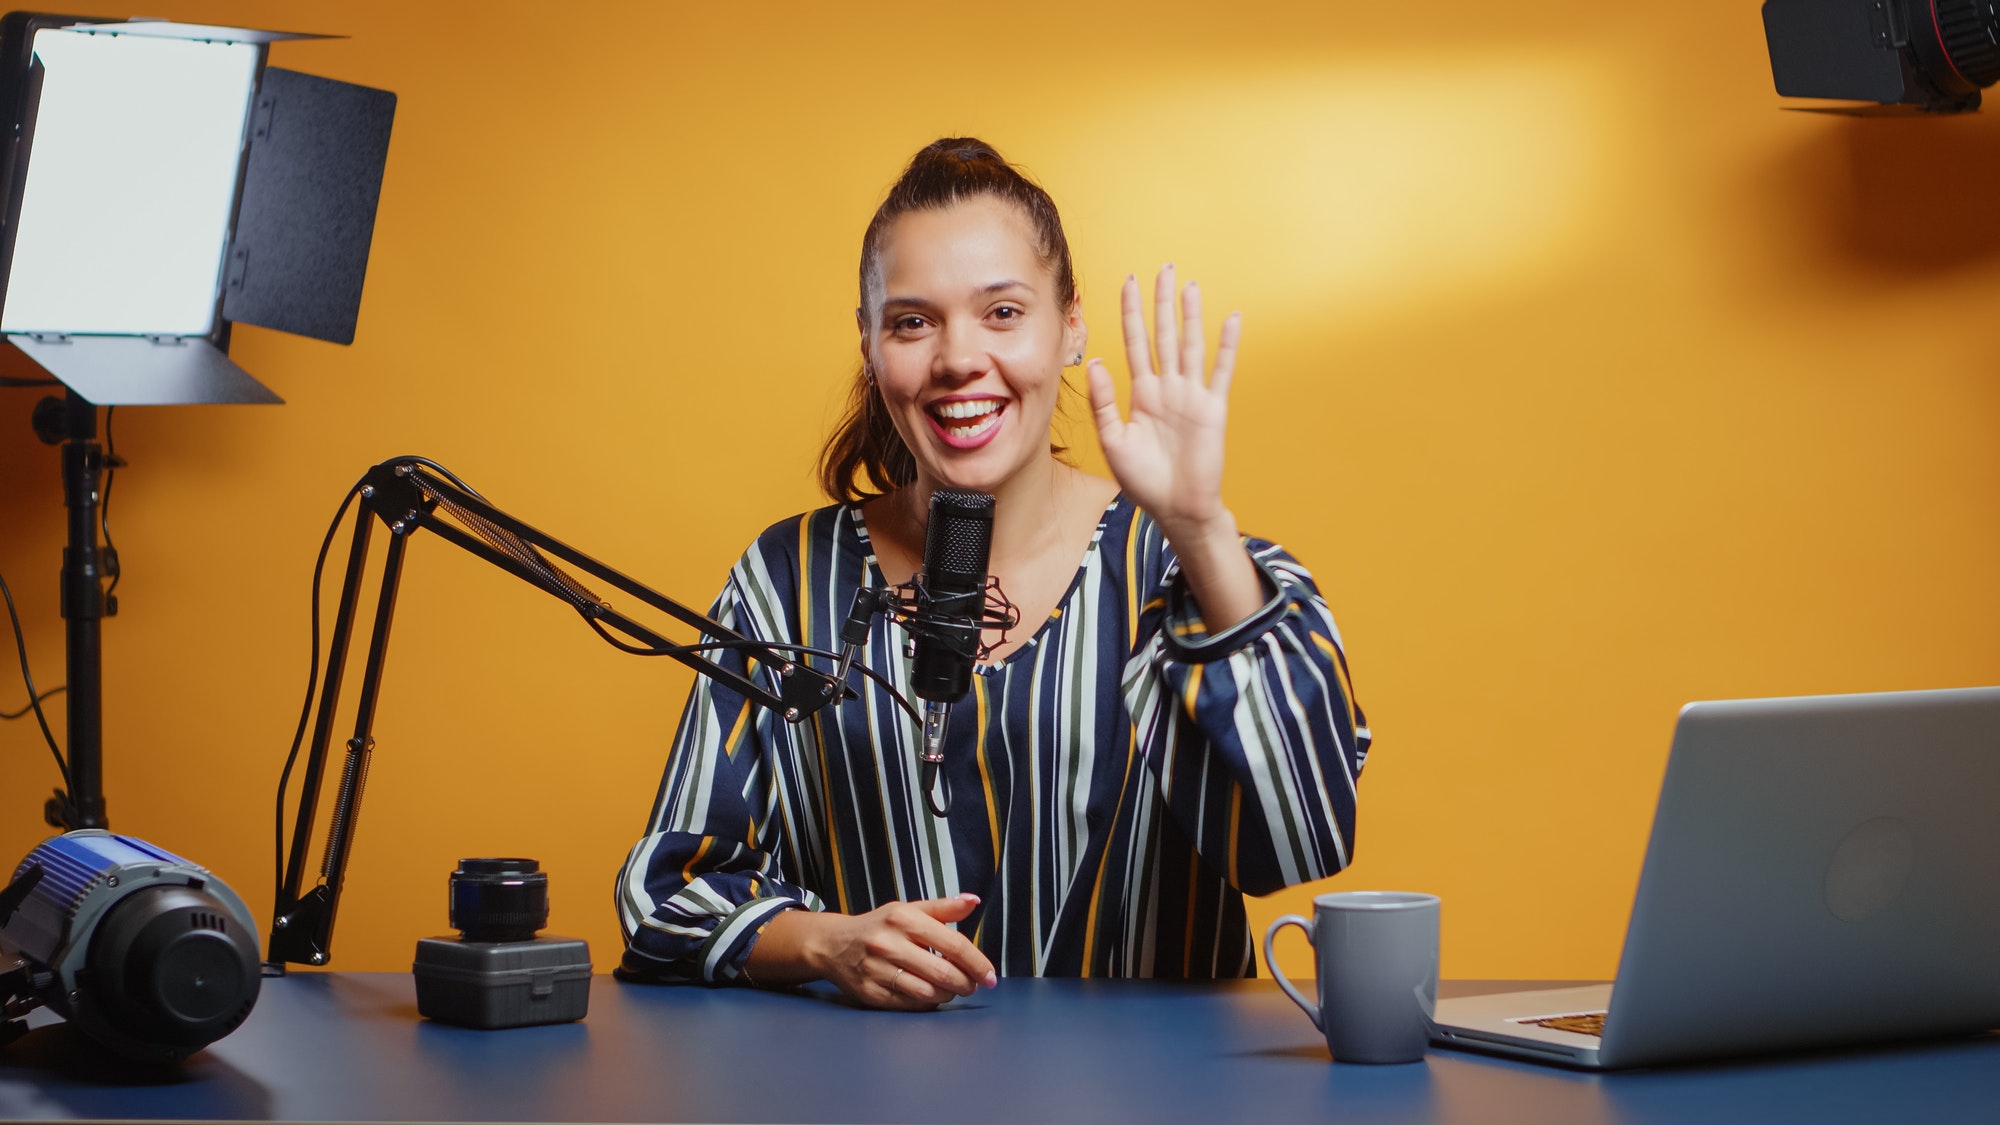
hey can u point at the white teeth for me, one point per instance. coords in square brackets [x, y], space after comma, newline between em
[988, 422]
[968, 418]
[970, 408]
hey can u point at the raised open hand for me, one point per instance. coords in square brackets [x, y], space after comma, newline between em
[1168, 456]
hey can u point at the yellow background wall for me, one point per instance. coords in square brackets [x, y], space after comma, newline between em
[1587, 378]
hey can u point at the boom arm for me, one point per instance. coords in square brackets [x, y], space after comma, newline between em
[408, 495]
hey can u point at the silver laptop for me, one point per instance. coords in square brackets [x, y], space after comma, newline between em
[1822, 871]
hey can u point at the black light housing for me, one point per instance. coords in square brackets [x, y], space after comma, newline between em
[1936, 55]
[152, 957]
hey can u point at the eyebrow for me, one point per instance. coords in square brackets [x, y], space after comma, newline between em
[984, 291]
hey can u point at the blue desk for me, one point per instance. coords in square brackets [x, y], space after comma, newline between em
[349, 1046]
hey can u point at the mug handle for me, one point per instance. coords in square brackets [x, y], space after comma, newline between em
[1311, 1009]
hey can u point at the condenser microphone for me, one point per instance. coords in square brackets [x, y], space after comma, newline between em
[945, 628]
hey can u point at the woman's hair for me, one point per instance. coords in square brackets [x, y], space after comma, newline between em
[945, 172]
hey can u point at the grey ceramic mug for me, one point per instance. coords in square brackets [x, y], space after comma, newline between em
[1378, 972]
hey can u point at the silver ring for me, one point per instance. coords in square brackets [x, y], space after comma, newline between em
[893, 981]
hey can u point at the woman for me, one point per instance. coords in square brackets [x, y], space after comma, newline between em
[1170, 727]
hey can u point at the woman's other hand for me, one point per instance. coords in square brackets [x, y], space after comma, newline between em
[903, 955]
[1168, 456]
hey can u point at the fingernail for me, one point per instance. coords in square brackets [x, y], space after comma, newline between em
[970, 897]
[1132, 277]
[992, 980]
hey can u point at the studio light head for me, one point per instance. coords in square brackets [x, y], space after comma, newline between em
[161, 182]
[1935, 55]
[149, 955]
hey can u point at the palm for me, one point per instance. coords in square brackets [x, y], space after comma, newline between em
[1168, 455]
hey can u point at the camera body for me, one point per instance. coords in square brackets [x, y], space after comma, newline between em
[1935, 55]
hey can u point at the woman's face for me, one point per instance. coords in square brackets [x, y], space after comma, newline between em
[967, 341]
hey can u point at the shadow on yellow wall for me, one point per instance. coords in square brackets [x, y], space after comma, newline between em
[1901, 199]
[1587, 380]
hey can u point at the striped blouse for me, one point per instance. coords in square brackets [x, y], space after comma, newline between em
[1116, 784]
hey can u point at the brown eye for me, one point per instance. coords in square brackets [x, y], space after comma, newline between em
[908, 323]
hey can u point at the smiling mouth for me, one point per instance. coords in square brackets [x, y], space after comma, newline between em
[967, 418]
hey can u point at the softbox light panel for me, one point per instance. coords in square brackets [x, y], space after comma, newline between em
[166, 183]
[134, 149]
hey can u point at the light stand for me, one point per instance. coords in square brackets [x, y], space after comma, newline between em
[72, 423]
[160, 184]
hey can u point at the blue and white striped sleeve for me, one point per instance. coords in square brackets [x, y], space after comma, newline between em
[1253, 732]
[697, 888]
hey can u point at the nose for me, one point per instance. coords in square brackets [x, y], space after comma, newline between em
[960, 357]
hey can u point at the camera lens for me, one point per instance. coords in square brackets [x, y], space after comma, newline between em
[499, 899]
[1970, 31]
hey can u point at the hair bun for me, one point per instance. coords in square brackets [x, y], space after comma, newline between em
[966, 150]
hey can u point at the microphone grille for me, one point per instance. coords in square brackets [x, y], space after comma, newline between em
[959, 538]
